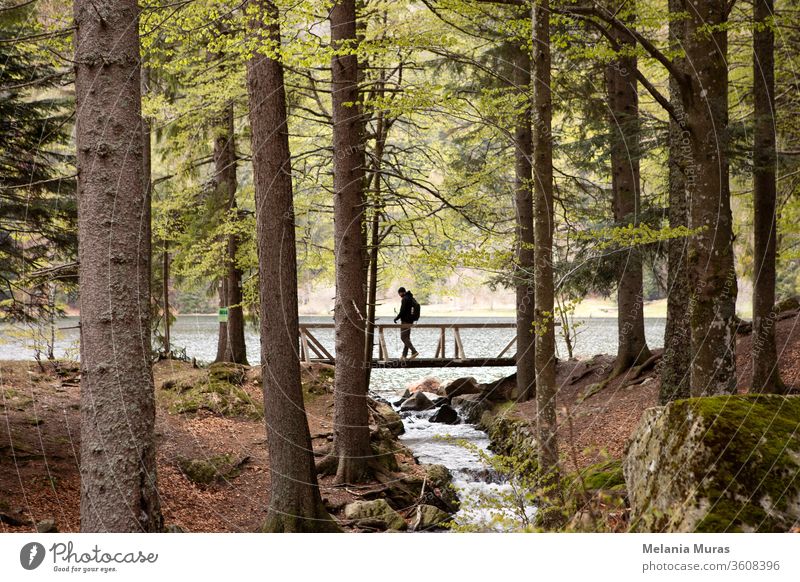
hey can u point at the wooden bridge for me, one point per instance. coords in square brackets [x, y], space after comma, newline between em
[313, 350]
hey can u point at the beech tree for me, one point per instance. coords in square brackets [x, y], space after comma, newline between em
[118, 466]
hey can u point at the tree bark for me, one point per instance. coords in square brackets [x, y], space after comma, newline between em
[676, 362]
[524, 265]
[118, 465]
[295, 501]
[234, 349]
[222, 334]
[165, 277]
[766, 377]
[351, 415]
[543, 252]
[623, 100]
[711, 268]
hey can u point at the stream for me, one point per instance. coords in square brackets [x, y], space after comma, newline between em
[431, 443]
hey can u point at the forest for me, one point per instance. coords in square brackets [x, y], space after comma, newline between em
[221, 221]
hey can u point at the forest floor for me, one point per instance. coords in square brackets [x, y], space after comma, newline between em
[40, 450]
[596, 428]
[40, 438]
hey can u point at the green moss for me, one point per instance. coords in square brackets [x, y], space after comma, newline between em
[603, 475]
[756, 470]
[212, 394]
[227, 372]
[205, 471]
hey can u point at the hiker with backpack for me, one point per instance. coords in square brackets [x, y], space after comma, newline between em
[409, 313]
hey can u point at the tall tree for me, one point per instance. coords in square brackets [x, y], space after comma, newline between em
[766, 377]
[676, 362]
[543, 216]
[295, 501]
[524, 264]
[230, 345]
[623, 104]
[118, 465]
[351, 415]
[705, 99]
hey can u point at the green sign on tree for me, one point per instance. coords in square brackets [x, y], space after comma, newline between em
[223, 315]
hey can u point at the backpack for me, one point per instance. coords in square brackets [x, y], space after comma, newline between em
[414, 310]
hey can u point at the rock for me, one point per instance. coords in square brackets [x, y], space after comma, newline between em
[788, 304]
[424, 385]
[461, 386]
[173, 528]
[446, 415]
[417, 402]
[502, 390]
[385, 417]
[46, 526]
[227, 372]
[428, 517]
[471, 406]
[383, 448]
[216, 468]
[369, 511]
[716, 464]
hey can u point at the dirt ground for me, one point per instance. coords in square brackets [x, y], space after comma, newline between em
[40, 446]
[40, 440]
[598, 427]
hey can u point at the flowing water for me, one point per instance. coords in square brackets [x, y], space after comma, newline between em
[430, 442]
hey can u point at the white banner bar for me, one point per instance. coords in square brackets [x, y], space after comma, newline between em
[400, 557]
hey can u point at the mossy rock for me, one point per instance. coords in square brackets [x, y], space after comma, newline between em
[206, 471]
[227, 372]
[605, 475]
[214, 395]
[717, 464]
[369, 513]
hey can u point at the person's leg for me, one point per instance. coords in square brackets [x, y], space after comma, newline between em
[405, 337]
[410, 345]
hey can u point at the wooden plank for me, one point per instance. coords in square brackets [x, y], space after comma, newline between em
[384, 353]
[508, 347]
[306, 356]
[437, 363]
[321, 352]
[459, 345]
[500, 325]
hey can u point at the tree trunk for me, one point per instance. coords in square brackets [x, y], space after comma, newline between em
[543, 252]
[677, 359]
[351, 415]
[524, 267]
[222, 334]
[118, 465]
[711, 250]
[623, 100]
[295, 501]
[165, 277]
[234, 349]
[381, 130]
[766, 377]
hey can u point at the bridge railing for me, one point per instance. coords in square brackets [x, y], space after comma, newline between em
[312, 349]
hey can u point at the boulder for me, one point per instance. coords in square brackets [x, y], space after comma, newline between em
[446, 415]
[788, 304]
[461, 386]
[429, 517]
[471, 406]
[502, 390]
[425, 385]
[417, 402]
[46, 526]
[385, 417]
[716, 464]
[369, 512]
[227, 372]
